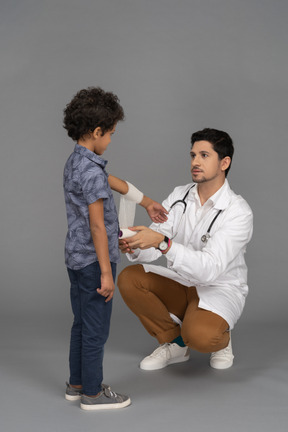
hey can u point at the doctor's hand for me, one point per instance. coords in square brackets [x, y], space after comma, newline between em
[144, 238]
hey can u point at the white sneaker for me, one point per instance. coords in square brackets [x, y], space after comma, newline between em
[164, 355]
[222, 359]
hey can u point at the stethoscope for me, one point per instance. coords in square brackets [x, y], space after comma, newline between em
[205, 237]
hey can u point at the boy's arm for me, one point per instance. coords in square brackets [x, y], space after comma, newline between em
[100, 240]
[118, 185]
[156, 211]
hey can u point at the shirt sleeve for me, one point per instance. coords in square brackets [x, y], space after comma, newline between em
[147, 255]
[230, 238]
[94, 184]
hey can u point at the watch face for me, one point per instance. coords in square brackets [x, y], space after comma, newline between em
[163, 245]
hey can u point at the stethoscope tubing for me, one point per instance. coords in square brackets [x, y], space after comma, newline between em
[204, 237]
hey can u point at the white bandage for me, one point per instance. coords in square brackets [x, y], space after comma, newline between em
[125, 233]
[133, 194]
[127, 210]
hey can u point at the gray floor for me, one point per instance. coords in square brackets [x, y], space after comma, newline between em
[251, 396]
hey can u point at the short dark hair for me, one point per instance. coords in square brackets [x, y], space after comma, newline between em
[222, 142]
[91, 108]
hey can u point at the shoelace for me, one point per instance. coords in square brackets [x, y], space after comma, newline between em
[108, 392]
[161, 351]
[221, 353]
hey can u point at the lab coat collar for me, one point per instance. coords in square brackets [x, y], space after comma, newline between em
[220, 199]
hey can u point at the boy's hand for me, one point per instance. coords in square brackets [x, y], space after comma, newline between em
[157, 212]
[124, 247]
[107, 287]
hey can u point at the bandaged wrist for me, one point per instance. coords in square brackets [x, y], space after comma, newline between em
[134, 194]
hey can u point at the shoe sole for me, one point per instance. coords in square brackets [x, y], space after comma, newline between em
[173, 361]
[105, 406]
[72, 398]
[222, 367]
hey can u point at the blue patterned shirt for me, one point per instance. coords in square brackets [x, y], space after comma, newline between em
[86, 181]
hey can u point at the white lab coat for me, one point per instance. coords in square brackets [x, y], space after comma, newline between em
[217, 269]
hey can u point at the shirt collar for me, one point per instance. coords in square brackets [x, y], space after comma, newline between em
[90, 155]
[220, 200]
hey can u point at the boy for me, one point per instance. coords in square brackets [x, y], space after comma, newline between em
[91, 250]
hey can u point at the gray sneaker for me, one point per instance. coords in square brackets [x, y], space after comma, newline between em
[107, 399]
[72, 393]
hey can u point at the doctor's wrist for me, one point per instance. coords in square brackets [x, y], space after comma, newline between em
[164, 245]
[168, 248]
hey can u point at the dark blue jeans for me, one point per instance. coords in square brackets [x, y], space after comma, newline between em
[90, 328]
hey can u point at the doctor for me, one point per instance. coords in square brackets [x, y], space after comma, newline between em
[196, 300]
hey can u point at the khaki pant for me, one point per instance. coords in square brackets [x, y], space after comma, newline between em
[151, 297]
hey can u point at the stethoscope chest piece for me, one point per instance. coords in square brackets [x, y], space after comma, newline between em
[205, 238]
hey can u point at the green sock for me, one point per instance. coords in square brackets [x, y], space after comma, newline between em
[179, 341]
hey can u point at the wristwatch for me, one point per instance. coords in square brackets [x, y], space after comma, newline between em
[164, 245]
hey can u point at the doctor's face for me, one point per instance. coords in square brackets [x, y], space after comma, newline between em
[205, 163]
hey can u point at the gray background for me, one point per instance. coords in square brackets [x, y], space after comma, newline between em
[177, 66]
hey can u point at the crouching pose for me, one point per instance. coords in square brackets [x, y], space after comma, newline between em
[196, 300]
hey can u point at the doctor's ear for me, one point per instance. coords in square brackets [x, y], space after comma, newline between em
[225, 163]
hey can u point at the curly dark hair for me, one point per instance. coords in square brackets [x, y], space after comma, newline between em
[91, 108]
[222, 142]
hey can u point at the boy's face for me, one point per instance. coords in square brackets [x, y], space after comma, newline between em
[102, 141]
